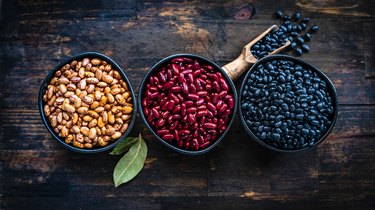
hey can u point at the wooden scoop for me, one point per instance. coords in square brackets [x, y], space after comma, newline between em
[235, 68]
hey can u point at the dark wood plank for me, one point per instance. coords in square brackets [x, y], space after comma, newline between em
[36, 172]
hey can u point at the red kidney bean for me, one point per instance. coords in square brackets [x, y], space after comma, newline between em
[176, 135]
[191, 119]
[195, 144]
[202, 113]
[185, 88]
[173, 125]
[181, 78]
[209, 87]
[164, 106]
[210, 114]
[223, 108]
[168, 85]
[204, 145]
[197, 72]
[165, 114]
[162, 132]
[187, 103]
[167, 137]
[199, 102]
[176, 109]
[202, 120]
[222, 94]
[211, 106]
[202, 93]
[192, 96]
[183, 109]
[160, 122]
[171, 105]
[176, 89]
[155, 112]
[176, 117]
[202, 107]
[191, 110]
[175, 68]
[187, 71]
[162, 77]
[231, 103]
[216, 86]
[192, 88]
[209, 125]
[184, 132]
[215, 98]
[169, 74]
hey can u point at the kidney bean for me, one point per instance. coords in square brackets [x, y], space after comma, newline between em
[208, 87]
[223, 108]
[176, 109]
[176, 89]
[192, 96]
[199, 102]
[215, 98]
[191, 110]
[176, 135]
[202, 113]
[162, 132]
[191, 119]
[168, 85]
[174, 125]
[167, 137]
[155, 112]
[181, 78]
[189, 103]
[192, 88]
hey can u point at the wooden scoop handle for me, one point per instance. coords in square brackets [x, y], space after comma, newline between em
[235, 68]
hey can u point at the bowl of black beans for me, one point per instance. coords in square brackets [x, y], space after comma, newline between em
[286, 104]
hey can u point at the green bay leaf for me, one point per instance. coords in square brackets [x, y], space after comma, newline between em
[131, 163]
[124, 146]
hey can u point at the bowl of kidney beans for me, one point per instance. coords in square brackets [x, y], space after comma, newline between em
[188, 103]
[286, 104]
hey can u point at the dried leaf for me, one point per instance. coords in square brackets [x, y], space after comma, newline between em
[131, 163]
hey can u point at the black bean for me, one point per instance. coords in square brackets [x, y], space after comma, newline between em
[279, 14]
[305, 48]
[300, 40]
[306, 20]
[314, 28]
[298, 51]
[307, 37]
[297, 16]
[286, 105]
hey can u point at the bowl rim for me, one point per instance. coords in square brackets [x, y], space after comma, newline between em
[330, 85]
[154, 68]
[48, 78]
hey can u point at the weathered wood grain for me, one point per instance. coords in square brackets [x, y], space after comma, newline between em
[36, 172]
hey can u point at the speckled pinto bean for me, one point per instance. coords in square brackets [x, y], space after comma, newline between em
[88, 103]
[188, 103]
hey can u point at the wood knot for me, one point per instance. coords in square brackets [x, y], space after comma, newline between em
[244, 11]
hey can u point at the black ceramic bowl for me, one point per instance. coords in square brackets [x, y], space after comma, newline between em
[155, 69]
[331, 90]
[50, 76]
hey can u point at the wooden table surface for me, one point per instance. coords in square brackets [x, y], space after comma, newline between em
[38, 173]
